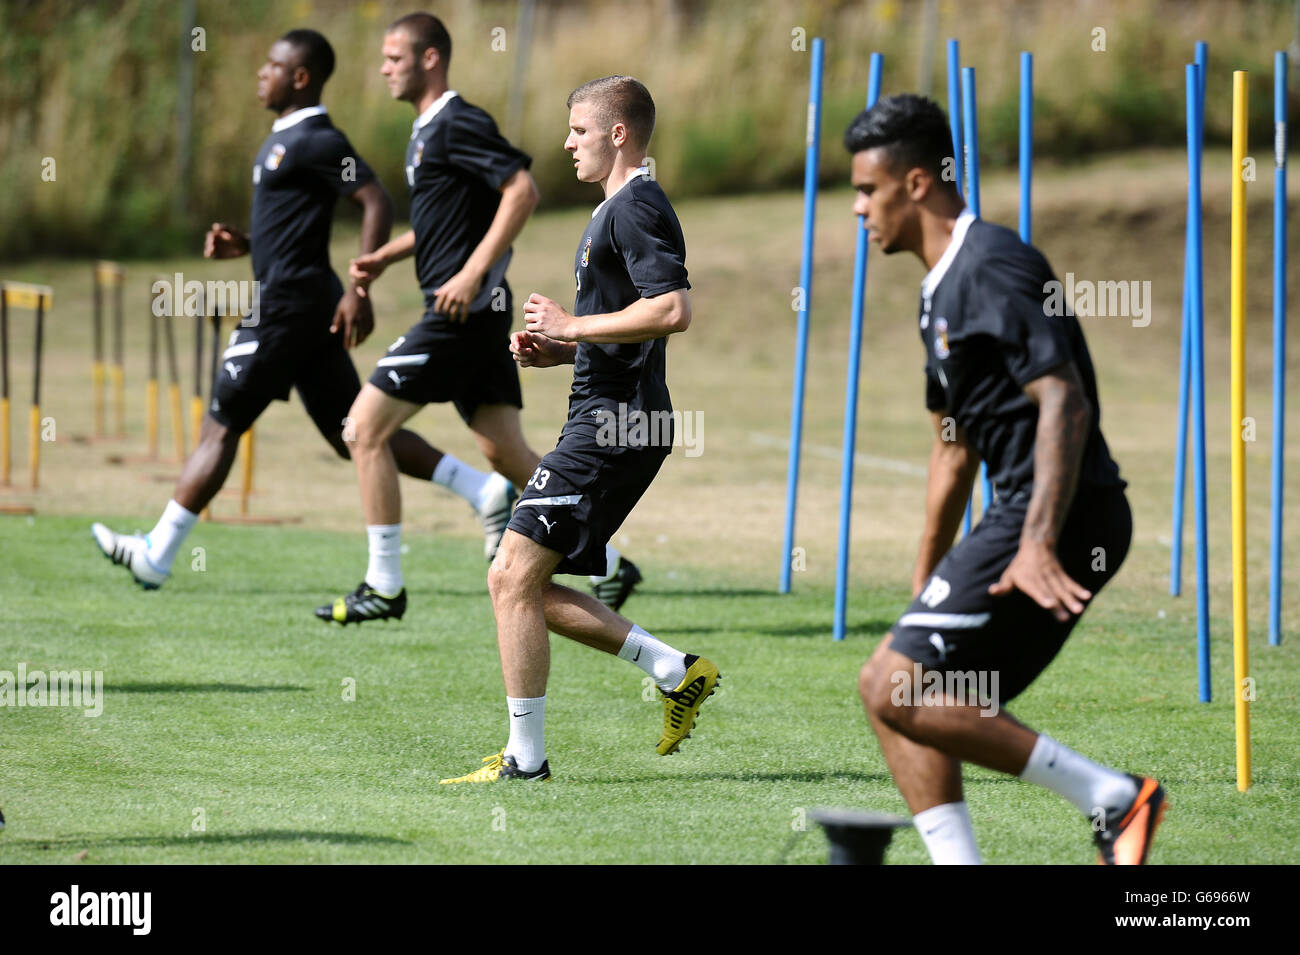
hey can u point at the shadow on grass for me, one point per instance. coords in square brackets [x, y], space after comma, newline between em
[199, 688]
[865, 628]
[199, 839]
[707, 592]
[795, 776]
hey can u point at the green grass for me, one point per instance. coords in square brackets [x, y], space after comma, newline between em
[223, 693]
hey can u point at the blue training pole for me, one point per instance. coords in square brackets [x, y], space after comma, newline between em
[1026, 143]
[805, 301]
[954, 112]
[1196, 311]
[1279, 342]
[1180, 443]
[971, 134]
[1185, 373]
[959, 162]
[851, 389]
[1200, 482]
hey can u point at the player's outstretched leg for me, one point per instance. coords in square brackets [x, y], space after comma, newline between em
[684, 680]
[527, 604]
[1124, 810]
[149, 557]
[374, 419]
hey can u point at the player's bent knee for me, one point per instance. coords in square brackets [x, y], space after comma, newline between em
[877, 686]
[507, 581]
[367, 437]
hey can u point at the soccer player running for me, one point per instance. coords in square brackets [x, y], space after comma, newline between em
[471, 194]
[631, 276]
[305, 322]
[1014, 386]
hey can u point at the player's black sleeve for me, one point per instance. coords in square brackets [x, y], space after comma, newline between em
[333, 162]
[652, 248]
[935, 398]
[474, 144]
[1005, 301]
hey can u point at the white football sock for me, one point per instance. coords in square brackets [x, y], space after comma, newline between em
[165, 540]
[611, 565]
[385, 571]
[947, 834]
[1087, 785]
[666, 665]
[527, 732]
[461, 479]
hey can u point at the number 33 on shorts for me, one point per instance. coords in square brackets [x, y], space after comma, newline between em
[539, 478]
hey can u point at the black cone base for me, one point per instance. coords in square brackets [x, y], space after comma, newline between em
[857, 837]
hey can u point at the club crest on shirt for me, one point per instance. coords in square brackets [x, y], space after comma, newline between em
[586, 252]
[941, 337]
[276, 155]
[419, 152]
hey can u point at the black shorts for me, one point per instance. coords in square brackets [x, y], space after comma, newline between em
[956, 625]
[467, 363]
[581, 494]
[261, 363]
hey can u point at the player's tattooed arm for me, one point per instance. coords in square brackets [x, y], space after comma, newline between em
[519, 197]
[953, 465]
[1064, 418]
[644, 320]
[354, 316]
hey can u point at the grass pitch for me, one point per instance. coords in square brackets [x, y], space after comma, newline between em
[224, 704]
[224, 694]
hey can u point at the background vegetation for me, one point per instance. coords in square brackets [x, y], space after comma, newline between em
[94, 85]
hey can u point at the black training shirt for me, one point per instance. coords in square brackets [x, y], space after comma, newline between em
[632, 249]
[456, 163]
[301, 170]
[987, 334]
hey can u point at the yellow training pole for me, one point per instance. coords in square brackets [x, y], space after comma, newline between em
[4, 384]
[97, 396]
[151, 415]
[39, 298]
[34, 445]
[43, 297]
[118, 375]
[178, 420]
[105, 277]
[113, 276]
[1240, 652]
[4, 442]
[246, 451]
[196, 418]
